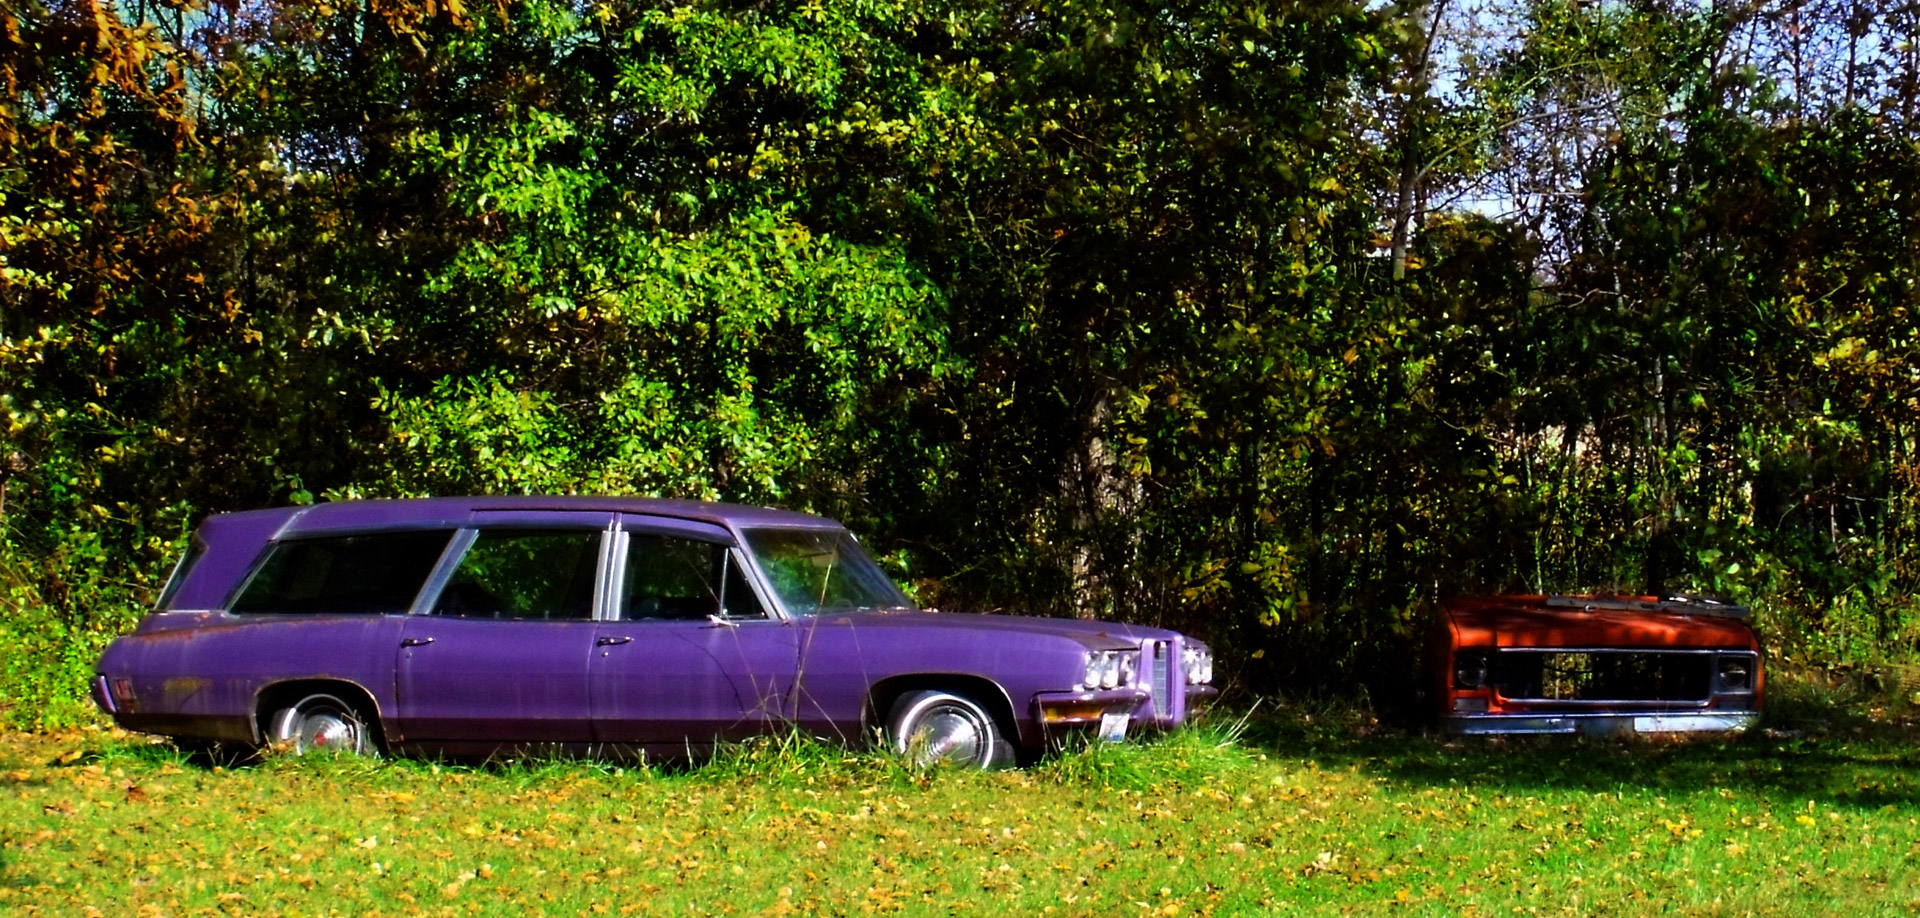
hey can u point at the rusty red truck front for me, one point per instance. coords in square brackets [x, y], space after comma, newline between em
[1596, 665]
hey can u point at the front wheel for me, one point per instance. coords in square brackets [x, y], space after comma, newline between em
[929, 727]
[321, 723]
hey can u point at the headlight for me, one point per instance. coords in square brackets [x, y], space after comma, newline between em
[1197, 662]
[1736, 673]
[1469, 670]
[1108, 669]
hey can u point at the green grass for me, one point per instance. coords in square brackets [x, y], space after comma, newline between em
[1294, 810]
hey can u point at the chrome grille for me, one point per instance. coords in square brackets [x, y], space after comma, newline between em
[1161, 665]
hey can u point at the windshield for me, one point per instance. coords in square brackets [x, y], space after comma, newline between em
[822, 570]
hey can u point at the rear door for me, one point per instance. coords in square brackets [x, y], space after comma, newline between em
[688, 652]
[500, 655]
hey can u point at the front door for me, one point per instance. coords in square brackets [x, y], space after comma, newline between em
[688, 653]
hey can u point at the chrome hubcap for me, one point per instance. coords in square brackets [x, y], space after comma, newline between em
[327, 731]
[949, 734]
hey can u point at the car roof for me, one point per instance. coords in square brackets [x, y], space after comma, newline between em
[455, 511]
[232, 541]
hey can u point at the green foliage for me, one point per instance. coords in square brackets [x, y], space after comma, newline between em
[59, 606]
[737, 364]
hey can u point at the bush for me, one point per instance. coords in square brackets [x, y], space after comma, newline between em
[61, 602]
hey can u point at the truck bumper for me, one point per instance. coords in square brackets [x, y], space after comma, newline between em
[1603, 724]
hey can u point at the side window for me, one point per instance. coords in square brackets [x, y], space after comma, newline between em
[524, 574]
[374, 574]
[669, 578]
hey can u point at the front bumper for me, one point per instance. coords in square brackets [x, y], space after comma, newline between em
[1609, 724]
[1067, 709]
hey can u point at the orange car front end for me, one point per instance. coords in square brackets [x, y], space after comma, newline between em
[1597, 665]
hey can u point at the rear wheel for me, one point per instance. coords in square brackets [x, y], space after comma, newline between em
[322, 723]
[929, 727]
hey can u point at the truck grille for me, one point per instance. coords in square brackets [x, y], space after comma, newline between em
[1602, 675]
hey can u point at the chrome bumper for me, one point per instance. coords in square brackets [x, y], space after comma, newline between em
[1603, 724]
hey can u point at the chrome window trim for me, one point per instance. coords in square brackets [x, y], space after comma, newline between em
[610, 573]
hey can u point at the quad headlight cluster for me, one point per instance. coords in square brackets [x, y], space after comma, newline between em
[1110, 668]
[1197, 662]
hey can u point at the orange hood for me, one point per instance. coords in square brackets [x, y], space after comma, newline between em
[1527, 621]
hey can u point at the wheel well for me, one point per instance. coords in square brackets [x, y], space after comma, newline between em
[984, 692]
[279, 695]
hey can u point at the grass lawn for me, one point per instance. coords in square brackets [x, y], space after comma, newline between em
[1297, 810]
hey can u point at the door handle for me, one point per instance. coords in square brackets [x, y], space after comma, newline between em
[611, 640]
[416, 642]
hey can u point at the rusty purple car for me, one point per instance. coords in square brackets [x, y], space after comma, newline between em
[481, 625]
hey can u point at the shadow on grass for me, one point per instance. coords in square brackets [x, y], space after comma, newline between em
[1844, 748]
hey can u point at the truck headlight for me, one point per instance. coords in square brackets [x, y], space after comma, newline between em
[1736, 672]
[1469, 670]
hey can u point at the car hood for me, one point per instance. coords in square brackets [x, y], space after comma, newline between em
[1094, 635]
[1525, 621]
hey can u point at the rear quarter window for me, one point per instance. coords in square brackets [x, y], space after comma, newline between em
[195, 549]
[371, 574]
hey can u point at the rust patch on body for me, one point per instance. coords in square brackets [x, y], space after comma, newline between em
[177, 691]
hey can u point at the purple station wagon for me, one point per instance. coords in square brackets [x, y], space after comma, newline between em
[470, 626]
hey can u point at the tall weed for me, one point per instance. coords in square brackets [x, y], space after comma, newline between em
[1189, 758]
